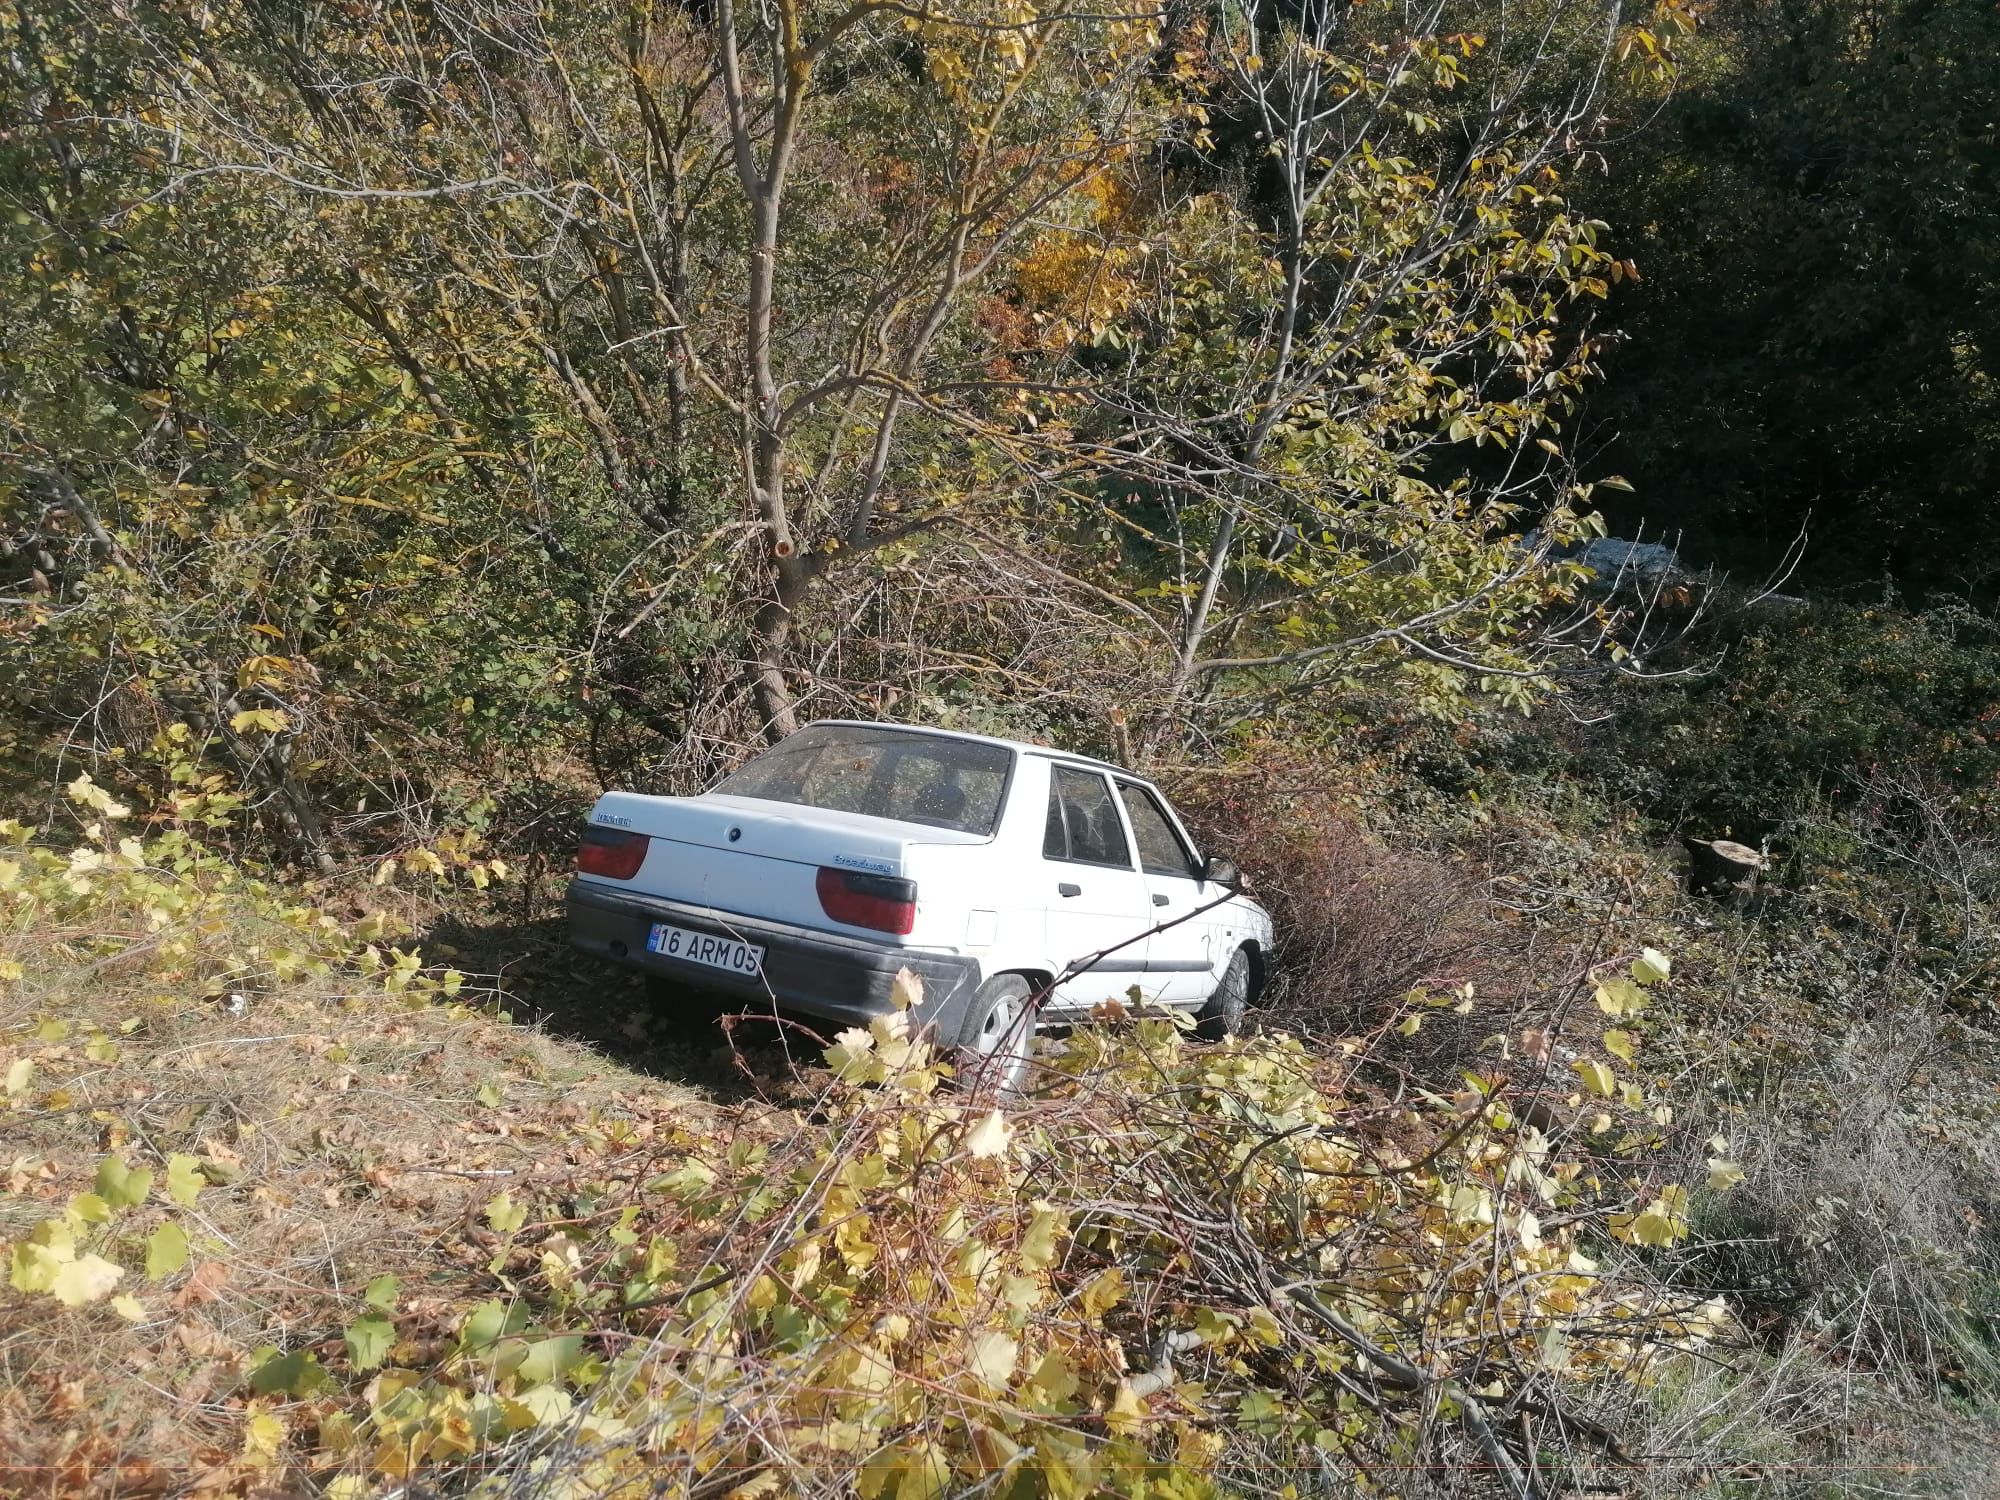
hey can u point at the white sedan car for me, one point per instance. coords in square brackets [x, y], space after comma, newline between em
[1019, 882]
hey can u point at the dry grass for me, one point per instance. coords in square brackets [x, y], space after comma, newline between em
[347, 1133]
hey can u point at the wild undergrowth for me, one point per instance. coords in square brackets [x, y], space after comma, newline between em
[1834, 1026]
[286, 1212]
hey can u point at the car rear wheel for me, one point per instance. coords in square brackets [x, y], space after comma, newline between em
[1223, 1014]
[997, 1045]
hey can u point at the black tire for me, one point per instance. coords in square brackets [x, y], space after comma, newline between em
[996, 1044]
[675, 1002]
[1222, 1015]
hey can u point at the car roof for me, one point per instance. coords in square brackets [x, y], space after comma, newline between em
[982, 739]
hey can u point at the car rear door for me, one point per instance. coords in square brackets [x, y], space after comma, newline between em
[1179, 958]
[1096, 896]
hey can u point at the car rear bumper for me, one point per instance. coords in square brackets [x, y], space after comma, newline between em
[836, 978]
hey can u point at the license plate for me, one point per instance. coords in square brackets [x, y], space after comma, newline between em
[742, 959]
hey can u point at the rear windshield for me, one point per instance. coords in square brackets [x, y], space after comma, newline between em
[884, 773]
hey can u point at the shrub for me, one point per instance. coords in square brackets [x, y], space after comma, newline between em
[1804, 705]
[1359, 922]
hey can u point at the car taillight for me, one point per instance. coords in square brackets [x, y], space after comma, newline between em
[879, 901]
[611, 852]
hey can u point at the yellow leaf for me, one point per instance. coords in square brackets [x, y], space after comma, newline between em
[1723, 1175]
[852, 1055]
[88, 1278]
[1103, 1292]
[263, 1437]
[1056, 1377]
[1038, 1245]
[1410, 1025]
[872, 1371]
[19, 1071]
[1127, 1410]
[1595, 1075]
[1659, 1224]
[505, 1215]
[990, 1357]
[1529, 1228]
[989, 1137]
[131, 1309]
[38, 1258]
[86, 793]
[546, 1404]
[1619, 1044]
[1264, 1327]
[1469, 1204]
[922, 1472]
[269, 720]
[907, 991]
[1651, 966]
[1620, 997]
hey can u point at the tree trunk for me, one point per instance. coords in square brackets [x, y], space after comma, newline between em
[1716, 866]
[771, 633]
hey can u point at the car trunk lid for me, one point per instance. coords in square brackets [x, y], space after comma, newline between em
[758, 858]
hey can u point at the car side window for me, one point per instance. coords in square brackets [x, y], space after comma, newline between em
[1083, 821]
[1161, 851]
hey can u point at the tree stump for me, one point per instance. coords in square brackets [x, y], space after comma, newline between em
[1721, 867]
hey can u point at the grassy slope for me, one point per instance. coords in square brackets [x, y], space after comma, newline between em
[347, 1133]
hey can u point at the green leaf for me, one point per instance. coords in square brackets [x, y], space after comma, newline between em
[166, 1250]
[369, 1339]
[505, 1215]
[381, 1294]
[483, 1325]
[549, 1359]
[488, 1095]
[184, 1179]
[295, 1374]
[122, 1186]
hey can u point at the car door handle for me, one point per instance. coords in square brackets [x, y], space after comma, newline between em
[1064, 888]
[1158, 899]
